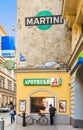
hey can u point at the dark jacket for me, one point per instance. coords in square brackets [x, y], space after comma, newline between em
[52, 110]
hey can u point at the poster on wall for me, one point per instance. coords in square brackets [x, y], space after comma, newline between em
[62, 105]
[22, 105]
[41, 104]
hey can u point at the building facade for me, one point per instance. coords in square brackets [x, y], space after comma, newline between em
[2, 33]
[38, 88]
[42, 37]
[73, 14]
[7, 79]
[7, 85]
[59, 43]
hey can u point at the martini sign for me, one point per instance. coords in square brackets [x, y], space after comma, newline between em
[44, 20]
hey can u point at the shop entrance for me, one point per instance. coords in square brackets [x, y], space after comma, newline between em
[40, 99]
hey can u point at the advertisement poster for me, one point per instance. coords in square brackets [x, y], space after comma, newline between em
[62, 105]
[22, 105]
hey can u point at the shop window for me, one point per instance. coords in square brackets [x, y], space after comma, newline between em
[41, 104]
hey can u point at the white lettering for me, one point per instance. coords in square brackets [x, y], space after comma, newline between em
[40, 82]
[35, 81]
[61, 20]
[26, 82]
[36, 21]
[55, 20]
[30, 81]
[42, 20]
[29, 21]
[45, 20]
[49, 20]
[48, 81]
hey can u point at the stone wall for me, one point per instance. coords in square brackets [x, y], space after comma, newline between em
[40, 46]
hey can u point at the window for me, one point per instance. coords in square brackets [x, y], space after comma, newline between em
[9, 85]
[2, 82]
[1, 67]
[41, 104]
[14, 87]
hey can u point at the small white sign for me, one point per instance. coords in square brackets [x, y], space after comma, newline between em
[8, 53]
[22, 105]
[56, 81]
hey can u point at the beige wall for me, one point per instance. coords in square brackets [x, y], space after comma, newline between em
[39, 46]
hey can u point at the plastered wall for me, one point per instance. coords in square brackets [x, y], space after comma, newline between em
[40, 46]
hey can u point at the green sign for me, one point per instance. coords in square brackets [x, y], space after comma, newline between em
[43, 82]
[44, 13]
[9, 64]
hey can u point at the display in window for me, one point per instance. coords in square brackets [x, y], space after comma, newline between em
[41, 104]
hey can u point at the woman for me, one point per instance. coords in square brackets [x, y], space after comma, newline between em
[12, 114]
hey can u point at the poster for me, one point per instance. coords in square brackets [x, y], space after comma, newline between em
[22, 105]
[62, 105]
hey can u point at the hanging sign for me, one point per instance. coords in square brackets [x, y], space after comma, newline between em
[8, 47]
[9, 64]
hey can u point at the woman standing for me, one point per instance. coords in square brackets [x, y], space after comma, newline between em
[12, 114]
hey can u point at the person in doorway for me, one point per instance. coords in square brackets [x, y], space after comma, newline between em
[52, 113]
[12, 114]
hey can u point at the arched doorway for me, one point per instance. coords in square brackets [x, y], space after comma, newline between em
[41, 97]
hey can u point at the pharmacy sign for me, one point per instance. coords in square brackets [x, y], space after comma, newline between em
[43, 82]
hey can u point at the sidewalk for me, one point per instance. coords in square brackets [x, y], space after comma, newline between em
[15, 126]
